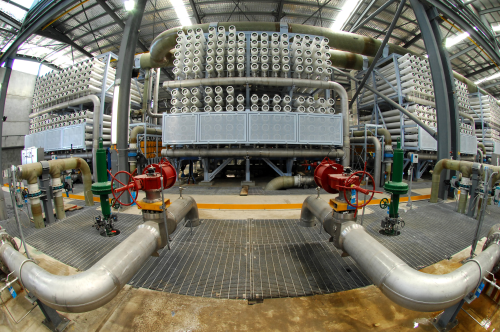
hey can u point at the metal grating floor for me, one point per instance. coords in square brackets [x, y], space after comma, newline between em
[249, 259]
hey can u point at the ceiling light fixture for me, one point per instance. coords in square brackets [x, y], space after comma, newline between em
[456, 39]
[129, 5]
[345, 13]
[496, 27]
[181, 12]
[489, 78]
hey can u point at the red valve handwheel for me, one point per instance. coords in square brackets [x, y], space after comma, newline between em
[132, 183]
[350, 181]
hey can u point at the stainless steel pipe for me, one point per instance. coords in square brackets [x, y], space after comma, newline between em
[262, 153]
[90, 289]
[400, 283]
[285, 182]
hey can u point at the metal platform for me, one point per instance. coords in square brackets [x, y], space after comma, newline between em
[254, 259]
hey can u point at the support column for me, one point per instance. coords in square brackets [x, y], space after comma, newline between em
[3, 97]
[247, 181]
[121, 97]
[444, 86]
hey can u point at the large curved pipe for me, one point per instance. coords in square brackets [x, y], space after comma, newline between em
[31, 173]
[90, 289]
[285, 182]
[410, 288]
[258, 152]
[382, 131]
[161, 55]
[140, 130]
[378, 153]
[405, 286]
[482, 147]
[276, 81]
[183, 208]
[97, 286]
[96, 119]
[464, 167]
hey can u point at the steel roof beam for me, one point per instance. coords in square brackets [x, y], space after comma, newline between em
[489, 10]
[296, 3]
[279, 11]
[6, 18]
[32, 27]
[118, 21]
[195, 11]
[412, 41]
[52, 33]
[462, 52]
[491, 85]
[373, 15]
[62, 21]
[460, 18]
[480, 71]
[16, 4]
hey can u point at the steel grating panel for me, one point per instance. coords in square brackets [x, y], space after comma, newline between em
[426, 141]
[272, 128]
[180, 128]
[320, 129]
[225, 127]
[248, 259]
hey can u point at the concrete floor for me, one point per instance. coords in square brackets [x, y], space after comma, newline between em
[136, 309]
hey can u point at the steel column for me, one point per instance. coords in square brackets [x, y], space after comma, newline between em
[3, 97]
[122, 80]
[448, 135]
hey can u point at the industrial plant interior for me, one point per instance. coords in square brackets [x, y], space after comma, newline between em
[209, 165]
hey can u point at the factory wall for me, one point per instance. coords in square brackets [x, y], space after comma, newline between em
[17, 108]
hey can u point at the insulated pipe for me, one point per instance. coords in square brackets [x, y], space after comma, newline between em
[378, 154]
[262, 153]
[400, 283]
[96, 119]
[31, 173]
[275, 81]
[285, 182]
[140, 130]
[161, 55]
[382, 131]
[465, 167]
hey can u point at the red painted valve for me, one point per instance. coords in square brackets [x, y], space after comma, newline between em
[149, 180]
[323, 172]
[353, 182]
[132, 184]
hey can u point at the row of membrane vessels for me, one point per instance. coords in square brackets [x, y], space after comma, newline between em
[222, 54]
[78, 80]
[216, 100]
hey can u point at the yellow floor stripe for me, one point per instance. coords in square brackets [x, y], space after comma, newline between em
[208, 206]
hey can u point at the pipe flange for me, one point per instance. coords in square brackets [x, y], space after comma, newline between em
[151, 215]
[35, 194]
[58, 188]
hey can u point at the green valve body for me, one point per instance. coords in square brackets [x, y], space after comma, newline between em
[102, 187]
[396, 187]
